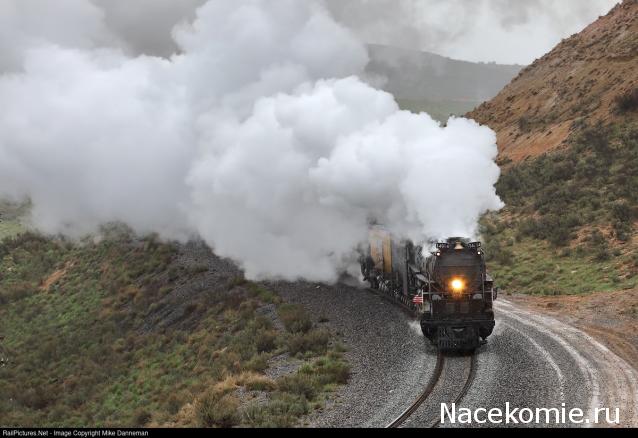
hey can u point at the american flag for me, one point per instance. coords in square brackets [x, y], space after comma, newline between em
[418, 299]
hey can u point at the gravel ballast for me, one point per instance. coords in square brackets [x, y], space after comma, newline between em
[531, 361]
[390, 359]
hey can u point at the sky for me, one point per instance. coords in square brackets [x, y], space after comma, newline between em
[504, 31]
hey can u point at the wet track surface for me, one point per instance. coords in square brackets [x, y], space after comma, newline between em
[531, 361]
[577, 370]
[452, 385]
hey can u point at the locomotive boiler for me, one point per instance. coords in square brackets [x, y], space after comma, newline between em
[450, 289]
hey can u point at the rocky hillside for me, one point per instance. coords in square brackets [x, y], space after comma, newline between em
[567, 128]
[589, 77]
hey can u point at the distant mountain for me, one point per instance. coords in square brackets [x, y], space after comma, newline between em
[581, 80]
[442, 86]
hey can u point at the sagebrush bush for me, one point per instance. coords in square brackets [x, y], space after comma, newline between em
[174, 404]
[281, 412]
[315, 341]
[265, 341]
[329, 370]
[217, 409]
[628, 101]
[258, 363]
[37, 397]
[299, 384]
[295, 318]
[256, 382]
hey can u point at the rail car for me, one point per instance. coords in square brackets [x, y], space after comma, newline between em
[450, 289]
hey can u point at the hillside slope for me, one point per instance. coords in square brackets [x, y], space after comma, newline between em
[132, 332]
[590, 77]
[423, 81]
[567, 128]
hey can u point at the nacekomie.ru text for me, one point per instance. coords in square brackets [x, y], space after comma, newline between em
[451, 414]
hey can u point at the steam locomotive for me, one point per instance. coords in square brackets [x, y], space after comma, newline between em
[450, 290]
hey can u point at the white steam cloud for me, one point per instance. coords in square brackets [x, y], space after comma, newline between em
[257, 136]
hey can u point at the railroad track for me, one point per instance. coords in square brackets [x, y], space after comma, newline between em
[434, 382]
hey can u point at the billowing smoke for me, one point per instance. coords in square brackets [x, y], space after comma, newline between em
[257, 135]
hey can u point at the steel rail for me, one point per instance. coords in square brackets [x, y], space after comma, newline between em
[470, 378]
[438, 370]
[434, 380]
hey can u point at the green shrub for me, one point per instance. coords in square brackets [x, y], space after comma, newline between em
[258, 363]
[299, 384]
[174, 404]
[602, 255]
[216, 409]
[621, 211]
[263, 294]
[315, 341]
[281, 412]
[295, 318]
[628, 101]
[266, 340]
[495, 251]
[141, 417]
[260, 384]
[329, 370]
[237, 281]
[36, 398]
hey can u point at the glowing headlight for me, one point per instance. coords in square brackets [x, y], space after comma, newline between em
[457, 285]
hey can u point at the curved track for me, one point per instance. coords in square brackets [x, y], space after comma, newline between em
[438, 370]
[464, 389]
[531, 361]
[420, 412]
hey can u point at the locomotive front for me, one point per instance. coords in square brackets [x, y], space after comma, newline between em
[457, 297]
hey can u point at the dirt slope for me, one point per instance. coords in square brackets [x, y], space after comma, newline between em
[580, 79]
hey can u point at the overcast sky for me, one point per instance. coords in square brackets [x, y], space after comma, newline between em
[505, 31]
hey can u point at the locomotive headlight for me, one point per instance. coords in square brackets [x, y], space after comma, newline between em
[457, 285]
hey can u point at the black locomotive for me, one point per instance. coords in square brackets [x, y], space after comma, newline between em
[451, 289]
